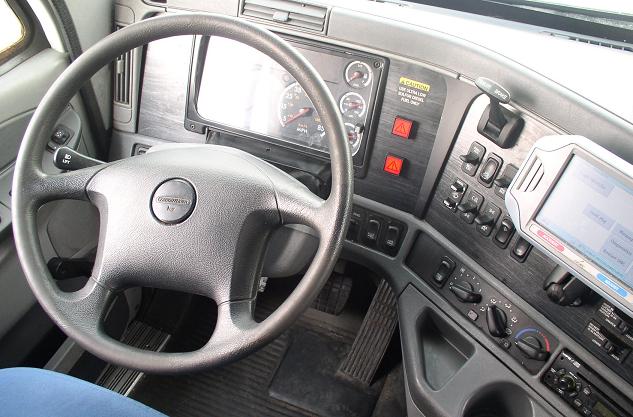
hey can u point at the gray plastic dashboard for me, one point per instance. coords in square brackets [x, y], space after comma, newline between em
[462, 49]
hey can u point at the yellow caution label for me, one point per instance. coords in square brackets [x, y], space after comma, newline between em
[415, 84]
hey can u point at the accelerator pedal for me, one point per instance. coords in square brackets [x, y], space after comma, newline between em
[140, 335]
[334, 295]
[373, 338]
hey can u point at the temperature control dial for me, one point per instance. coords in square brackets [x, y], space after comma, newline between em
[533, 344]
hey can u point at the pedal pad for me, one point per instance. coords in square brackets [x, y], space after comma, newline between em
[373, 337]
[140, 335]
[334, 295]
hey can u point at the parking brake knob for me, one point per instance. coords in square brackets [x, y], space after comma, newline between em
[498, 124]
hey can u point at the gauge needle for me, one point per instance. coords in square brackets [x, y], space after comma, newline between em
[356, 75]
[355, 104]
[302, 112]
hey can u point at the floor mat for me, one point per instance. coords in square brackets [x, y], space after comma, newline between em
[314, 384]
[242, 388]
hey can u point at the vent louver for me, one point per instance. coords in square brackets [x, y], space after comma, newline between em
[532, 179]
[122, 77]
[592, 41]
[292, 13]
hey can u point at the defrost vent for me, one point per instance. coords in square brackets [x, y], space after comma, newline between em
[592, 41]
[300, 15]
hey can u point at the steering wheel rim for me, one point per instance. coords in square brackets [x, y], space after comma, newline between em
[80, 314]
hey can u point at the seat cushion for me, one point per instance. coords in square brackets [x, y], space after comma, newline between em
[35, 392]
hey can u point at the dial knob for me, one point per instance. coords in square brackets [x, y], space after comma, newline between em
[497, 321]
[532, 347]
[465, 293]
[566, 383]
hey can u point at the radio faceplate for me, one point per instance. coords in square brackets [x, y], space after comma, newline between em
[572, 199]
[579, 386]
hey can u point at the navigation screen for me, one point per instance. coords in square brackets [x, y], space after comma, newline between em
[593, 213]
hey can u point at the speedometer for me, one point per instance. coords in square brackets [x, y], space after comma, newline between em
[298, 117]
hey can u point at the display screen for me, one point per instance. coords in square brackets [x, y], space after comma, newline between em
[602, 411]
[593, 212]
[243, 89]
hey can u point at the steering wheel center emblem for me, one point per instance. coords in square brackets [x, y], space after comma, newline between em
[173, 201]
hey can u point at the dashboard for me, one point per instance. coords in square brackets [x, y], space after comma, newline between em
[433, 179]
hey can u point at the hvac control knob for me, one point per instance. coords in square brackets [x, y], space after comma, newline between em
[497, 321]
[532, 347]
[465, 293]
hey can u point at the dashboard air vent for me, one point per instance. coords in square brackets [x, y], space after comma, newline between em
[292, 13]
[592, 41]
[533, 177]
[122, 77]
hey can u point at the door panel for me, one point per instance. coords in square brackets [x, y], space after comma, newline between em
[24, 327]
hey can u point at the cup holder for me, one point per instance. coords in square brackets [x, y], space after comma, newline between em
[444, 350]
[499, 400]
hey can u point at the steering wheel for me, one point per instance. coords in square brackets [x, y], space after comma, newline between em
[193, 219]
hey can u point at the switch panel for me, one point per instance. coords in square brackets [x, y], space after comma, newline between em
[470, 294]
[375, 231]
[471, 160]
[489, 170]
[504, 233]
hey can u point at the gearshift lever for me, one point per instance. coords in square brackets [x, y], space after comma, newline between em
[497, 124]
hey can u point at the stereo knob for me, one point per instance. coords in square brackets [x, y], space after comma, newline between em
[465, 292]
[497, 321]
[566, 383]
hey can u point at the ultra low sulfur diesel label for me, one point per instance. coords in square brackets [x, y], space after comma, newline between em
[412, 92]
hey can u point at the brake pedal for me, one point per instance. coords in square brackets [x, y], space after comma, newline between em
[334, 295]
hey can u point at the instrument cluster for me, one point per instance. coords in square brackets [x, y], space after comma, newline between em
[252, 95]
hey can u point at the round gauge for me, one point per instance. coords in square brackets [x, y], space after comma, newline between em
[298, 117]
[352, 105]
[354, 135]
[358, 74]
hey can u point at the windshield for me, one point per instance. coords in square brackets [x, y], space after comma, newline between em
[610, 6]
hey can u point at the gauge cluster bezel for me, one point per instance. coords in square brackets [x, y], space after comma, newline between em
[195, 122]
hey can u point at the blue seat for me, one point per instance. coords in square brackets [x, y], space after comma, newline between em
[34, 392]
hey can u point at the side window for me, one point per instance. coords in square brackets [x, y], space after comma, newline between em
[13, 34]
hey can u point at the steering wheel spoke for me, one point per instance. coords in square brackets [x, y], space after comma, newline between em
[235, 319]
[297, 205]
[71, 185]
[85, 307]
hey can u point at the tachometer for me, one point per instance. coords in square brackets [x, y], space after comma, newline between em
[358, 74]
[352, 105]
[298, 117]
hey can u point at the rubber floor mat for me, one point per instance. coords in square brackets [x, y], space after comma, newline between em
[307, 378]
[240, 389]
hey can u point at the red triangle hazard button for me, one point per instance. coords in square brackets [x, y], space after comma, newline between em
[393, 165]
[402, 127]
